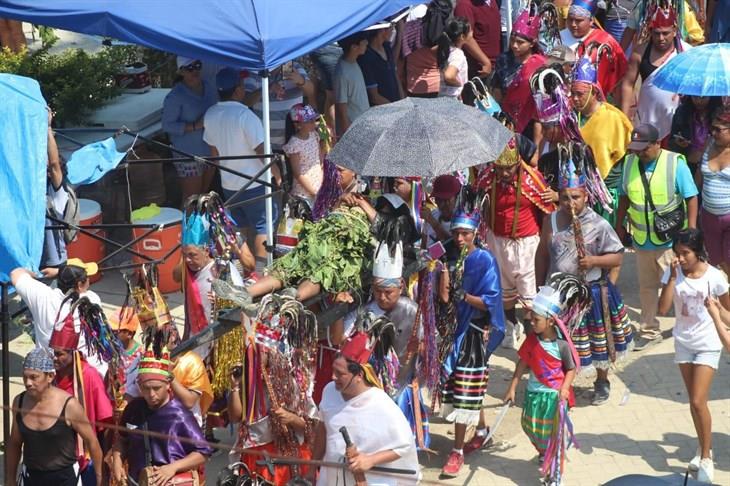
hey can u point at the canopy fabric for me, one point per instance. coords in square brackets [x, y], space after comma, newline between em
[23, 161]
[247, 34]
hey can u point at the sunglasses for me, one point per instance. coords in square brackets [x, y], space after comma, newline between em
[193, 66]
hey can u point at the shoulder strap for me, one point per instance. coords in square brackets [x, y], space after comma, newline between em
[63, 410]
[646, 185]
[554, 222]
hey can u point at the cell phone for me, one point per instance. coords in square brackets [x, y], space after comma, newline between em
[237, 371]
[436, 250]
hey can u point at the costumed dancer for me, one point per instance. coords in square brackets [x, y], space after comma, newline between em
[173, 458]
[604, 128]
[582, 33]
[124, 324]
[270, 394]
[77, 377]
[579, 242]
[209, 246]
[514, 69]
[551, 359]
[514, 195]
[355, 400]
[473, 301]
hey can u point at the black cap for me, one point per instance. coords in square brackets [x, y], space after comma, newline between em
[642, 136]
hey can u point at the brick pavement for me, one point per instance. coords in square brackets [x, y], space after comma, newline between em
[650, 433]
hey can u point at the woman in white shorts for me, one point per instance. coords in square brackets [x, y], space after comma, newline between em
[689, 282]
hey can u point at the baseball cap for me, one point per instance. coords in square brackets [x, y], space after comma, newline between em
[184, 61]
[445, 187]
[642, 136]
[561, 54]
[227, 79]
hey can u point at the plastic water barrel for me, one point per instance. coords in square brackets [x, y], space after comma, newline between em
[159, 243]
[85, 247]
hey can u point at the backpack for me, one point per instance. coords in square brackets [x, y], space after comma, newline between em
[71, 214]
[435, 20]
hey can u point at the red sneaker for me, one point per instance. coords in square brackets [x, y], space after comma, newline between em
[477, 443]
[453, 465]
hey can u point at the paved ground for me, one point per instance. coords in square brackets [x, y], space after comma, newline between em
[645, 428]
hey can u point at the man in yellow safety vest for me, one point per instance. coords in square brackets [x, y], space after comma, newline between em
[670, 188]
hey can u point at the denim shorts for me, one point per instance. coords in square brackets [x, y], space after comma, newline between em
[683, 354]
[252, 215]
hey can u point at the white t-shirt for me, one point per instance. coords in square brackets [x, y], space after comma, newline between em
[457, 58]
[374, 423]
[44, 303]
[233, 129]
[693, 327]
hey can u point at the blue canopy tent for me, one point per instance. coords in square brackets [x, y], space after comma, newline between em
[248, 34]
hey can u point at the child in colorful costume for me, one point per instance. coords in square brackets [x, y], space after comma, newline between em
[549, 355]
[579, 242]
[476, 299]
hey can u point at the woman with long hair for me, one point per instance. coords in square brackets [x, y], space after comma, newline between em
[714, 181]
[451, 58]
[691, 127]
[688, 283]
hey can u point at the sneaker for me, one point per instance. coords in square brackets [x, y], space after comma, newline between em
[478, 443]
[601, 392]
[706, 472]
[641, 343]
[453, 465]
[511, 336]
[694, 464]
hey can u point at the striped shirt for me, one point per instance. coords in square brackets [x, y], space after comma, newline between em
[715, 188]
[280, 100]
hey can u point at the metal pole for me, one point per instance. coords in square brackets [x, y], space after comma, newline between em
[5, 322]
[509, 23]
[267, 174]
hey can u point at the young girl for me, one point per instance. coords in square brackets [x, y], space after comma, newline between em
[303, 149]
[551, 359]
[689, 282]
[451, 58]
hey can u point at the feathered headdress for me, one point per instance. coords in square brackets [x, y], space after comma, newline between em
[371, 346]
[566, 299]
[586, 67]
[549, 26]
[206, 222]
[394, 223]
[467, 210]
[553, 106]
[577, 169]
[657, 14]
[527, 24]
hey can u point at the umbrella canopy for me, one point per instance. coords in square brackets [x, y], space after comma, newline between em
[420, 137]
[247, 34]
[700, 71]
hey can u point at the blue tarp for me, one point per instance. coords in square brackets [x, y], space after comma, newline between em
[250, 34]
[23, 161]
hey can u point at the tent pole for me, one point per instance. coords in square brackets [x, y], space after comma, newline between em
[5, 322]
[267, 150]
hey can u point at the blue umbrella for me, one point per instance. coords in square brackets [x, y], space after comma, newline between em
[700, 71]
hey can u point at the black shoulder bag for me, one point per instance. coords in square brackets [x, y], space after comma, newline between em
[668, 224]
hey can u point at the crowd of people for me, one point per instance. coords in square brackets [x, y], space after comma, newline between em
[434, 275]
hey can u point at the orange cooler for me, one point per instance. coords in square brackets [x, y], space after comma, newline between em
[159, 243]
[85, 247]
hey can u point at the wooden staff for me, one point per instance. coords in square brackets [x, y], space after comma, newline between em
[351, 450]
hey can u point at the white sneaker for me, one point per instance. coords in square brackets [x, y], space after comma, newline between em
[694, 464]
[511, 335]
[706, 472]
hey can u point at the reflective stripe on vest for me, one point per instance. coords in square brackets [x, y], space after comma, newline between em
[663, 192]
